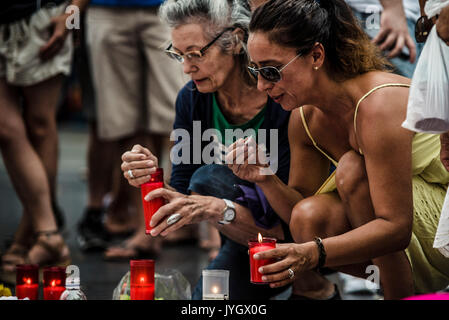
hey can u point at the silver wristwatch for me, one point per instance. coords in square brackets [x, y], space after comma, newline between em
[228, 212]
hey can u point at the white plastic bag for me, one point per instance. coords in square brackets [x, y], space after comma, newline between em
[428, 103]
[433, 7]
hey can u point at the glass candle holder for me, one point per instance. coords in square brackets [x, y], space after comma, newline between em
[54, 282]
[215, 284]
[255, 246]
[27, 281]
[150, 207]
[142, 279]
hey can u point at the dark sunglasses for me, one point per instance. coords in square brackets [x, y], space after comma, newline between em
[269, 73]
[196, 54]
[422, 29]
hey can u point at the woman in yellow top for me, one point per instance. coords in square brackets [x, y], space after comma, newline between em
[382, 205]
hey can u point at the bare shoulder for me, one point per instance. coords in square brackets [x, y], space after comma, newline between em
[388, 101]
[381, 114]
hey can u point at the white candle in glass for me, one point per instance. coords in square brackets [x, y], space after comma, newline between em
[215, 284]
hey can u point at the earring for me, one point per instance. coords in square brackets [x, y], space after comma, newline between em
[316, 68]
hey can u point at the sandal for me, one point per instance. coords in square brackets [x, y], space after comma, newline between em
[50, 255]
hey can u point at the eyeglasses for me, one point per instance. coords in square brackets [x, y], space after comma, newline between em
[269, 73]
[422, 29]
[195, 55]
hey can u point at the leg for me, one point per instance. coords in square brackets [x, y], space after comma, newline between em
[395, 270]
[99, 161]
[26, 171]
[41, 101]
[324, 216]
[100, 158]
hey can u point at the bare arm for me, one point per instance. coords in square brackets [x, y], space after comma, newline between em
[387, 153]
[308, 170]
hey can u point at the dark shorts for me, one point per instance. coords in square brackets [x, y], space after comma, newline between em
[219, 181]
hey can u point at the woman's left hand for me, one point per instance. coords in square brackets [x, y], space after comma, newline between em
[191, 209]
[293, 256]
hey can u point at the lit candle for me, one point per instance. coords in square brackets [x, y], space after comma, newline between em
[255, 246]
[215, 284]
[54, 280]
[142, 279]
[27, 281]
[150, 207]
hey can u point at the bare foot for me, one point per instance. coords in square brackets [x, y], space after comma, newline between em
[139, 245]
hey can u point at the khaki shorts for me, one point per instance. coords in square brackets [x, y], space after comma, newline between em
[19, 54]
[136, 84]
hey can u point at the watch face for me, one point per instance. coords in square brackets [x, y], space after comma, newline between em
[229, 215]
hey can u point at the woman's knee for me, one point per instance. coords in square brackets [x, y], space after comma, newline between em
[308, 217]
[350, 174]
[40, 126]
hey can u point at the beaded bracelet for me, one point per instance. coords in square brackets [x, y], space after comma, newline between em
[322, 253]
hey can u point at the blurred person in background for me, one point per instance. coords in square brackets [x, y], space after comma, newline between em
[35, 55]
[391, 26]
[135, 90]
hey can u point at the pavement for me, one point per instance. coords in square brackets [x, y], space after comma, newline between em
[100, 277]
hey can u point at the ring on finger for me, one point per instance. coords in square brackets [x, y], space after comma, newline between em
[130, 174]
[173, 218]
[291, 273]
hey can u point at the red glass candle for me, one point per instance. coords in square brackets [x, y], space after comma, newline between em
[258, 245]
[54, 282]
[142, 279]
[27, 281]
[150, 207]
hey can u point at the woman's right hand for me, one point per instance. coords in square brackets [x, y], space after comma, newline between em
[248, 161]
[138, 165]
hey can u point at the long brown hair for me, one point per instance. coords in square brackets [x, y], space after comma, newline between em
[300, 24]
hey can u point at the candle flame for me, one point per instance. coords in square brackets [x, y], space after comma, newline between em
[215, 289]
[142, 279]
[259, 238]
[53, 283]
[27, 280]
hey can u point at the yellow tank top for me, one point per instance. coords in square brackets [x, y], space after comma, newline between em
[425, 149]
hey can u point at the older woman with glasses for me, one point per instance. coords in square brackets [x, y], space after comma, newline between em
[209, 39]
[382, 205]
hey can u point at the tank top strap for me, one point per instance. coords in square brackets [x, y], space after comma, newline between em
[367, 94]
[306, 127]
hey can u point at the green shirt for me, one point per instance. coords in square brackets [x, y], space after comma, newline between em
[220, 123]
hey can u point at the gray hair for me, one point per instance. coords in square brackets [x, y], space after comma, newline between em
[215, 16]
